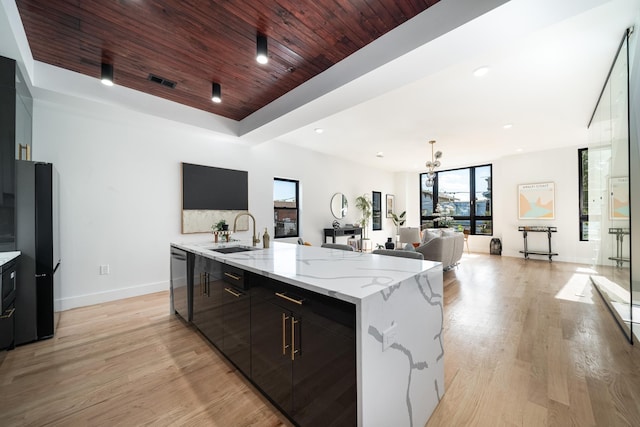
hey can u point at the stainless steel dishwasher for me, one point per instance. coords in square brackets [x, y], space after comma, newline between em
[181, 283]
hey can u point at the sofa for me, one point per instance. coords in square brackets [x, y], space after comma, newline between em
[445, 246]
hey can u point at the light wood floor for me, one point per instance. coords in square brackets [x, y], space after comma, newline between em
[527, 343]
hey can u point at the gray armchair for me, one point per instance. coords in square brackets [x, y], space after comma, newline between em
[446, 249]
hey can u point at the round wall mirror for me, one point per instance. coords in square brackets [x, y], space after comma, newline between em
[339, 205]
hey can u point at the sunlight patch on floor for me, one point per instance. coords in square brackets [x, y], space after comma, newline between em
[586, 270]
[471, 256]
[615, 291]
[576, 289]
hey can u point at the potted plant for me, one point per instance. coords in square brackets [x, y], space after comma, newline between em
[221, 226]
[398, 221]
[363, 203]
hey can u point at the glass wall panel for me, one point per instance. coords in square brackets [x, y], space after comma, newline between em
[608, 193]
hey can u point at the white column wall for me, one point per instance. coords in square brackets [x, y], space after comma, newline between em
[559, 166]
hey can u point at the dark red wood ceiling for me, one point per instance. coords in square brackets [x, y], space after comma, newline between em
[197, 42]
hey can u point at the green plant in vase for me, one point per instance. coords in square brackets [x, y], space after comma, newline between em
[220, 226]
[398, 221]
[363, 203]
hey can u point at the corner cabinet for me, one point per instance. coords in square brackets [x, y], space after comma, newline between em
[304, 353]
[298, 347]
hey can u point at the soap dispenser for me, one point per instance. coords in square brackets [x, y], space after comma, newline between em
[265, 238]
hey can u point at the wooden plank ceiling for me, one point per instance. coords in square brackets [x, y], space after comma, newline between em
[197, 42]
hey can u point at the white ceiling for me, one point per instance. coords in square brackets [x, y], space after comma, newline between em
[547, 67]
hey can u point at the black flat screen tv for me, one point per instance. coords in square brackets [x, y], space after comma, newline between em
[211, 188]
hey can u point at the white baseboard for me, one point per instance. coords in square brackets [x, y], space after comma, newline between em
[558, 258]
[110, 295]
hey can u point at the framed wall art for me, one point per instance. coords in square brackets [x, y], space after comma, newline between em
[619, 198]
[536, 201]
[390, 205]
[210, 194]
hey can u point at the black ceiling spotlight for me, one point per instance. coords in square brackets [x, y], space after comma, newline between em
[261, 56]
[216, 93]
[107, 74]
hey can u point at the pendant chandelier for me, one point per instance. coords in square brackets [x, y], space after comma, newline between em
[432, 165]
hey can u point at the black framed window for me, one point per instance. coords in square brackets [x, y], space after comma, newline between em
[459, 198]
[376, 210]
[583, 191]
[286, 212]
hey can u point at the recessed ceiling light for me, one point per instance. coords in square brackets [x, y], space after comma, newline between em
[519, 150]
[508, 126]
[479, 72]
[380, 154]
[318, 130]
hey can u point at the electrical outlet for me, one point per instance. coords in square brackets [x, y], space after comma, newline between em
[389, 337]
[104, 270]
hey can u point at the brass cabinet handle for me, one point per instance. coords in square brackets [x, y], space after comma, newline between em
[288, 298]
[8, 315]
[235, 294]
[233, 276]
[284, 334]
[293, 338]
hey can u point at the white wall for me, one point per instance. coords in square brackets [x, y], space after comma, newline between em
[120, 195]
[559, 166]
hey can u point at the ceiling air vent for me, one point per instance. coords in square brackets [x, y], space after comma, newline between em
[161, 81]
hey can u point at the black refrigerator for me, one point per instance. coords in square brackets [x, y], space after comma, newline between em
[37, 238]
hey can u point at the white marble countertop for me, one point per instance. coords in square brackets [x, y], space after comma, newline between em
[5, 257]
[349, 276]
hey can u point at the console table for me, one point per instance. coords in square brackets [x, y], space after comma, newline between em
[537, 229]
[342, 231]
[620, 233]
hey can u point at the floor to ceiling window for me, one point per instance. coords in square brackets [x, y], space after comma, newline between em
[583, 191]
[463, 196]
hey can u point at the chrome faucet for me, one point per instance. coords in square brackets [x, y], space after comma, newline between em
[235, 224]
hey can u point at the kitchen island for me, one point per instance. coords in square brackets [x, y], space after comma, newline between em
[397, 310]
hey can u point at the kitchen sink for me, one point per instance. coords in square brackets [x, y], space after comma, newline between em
[233, 249]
